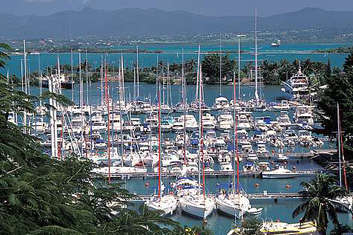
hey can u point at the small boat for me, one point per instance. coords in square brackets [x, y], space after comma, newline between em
[277, 43]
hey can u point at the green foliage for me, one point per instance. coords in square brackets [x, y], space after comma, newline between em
[348, 64]
[211, 67]
[341, 229]
[318, 203]
[339, 89]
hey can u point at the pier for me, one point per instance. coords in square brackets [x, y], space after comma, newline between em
[252, 196]
[209, 174]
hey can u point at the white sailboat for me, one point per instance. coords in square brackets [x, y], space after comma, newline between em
[199, 205]
[235, 204]
[167, 204]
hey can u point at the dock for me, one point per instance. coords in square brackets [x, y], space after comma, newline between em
[208, 174]
[251, 196]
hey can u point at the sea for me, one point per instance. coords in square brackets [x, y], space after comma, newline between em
[172, 53]
[219, 224]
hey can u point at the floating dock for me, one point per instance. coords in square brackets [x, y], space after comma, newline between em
[251, 196]
[209, 174]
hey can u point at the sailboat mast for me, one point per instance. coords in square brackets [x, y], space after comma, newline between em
[137, 71]
[25, 81]
[201, 139]
[87, 78]
[197, 74]
[256, 69]
[40, 80]
[159, 140]
[107, 103]
[339, 145]
[340, 151]
[72, 77]
[235, 136]
[101, 81]
[220, 64]
[184, 104]
[80, 78]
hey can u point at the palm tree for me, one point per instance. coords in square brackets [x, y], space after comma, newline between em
[4, 48]
[319, 195]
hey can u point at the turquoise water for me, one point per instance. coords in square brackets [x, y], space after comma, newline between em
[172, 53]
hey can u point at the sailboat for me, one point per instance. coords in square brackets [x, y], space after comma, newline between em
[236, 203]
[167, 204]
[199, 205]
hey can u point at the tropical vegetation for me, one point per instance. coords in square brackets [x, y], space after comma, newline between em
[320, 205]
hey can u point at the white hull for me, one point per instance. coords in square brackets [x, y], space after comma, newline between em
[167, 204]
[229, 209]
[278, 176]
[196, 206]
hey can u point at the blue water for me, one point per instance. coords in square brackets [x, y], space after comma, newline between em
[172, 54]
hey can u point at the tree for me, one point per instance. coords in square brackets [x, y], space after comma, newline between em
[341, 229]
[211, 67]
[339, 90]
[319, 205]
[249, 226]
[348, 64]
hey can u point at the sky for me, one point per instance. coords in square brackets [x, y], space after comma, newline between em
[204, 7]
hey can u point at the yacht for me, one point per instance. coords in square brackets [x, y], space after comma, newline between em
[221, 103]
[284, 120]
[297, 86]
[303, 115]
[277, 43]
[243, 122]
[235, 205]
[167, 204]
[198, 205]
[225, 122]
[280, 173]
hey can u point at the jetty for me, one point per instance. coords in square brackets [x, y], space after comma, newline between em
[208, 174]
[252, 196]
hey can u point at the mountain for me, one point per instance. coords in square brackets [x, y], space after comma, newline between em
[153, 22]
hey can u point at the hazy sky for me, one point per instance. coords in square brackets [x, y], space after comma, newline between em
[205, 7]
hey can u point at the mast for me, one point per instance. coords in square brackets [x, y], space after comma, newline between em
[239, 63]
[197, 75]
[137, 71]
[72, 77]
[159, 141]
[256, 69]
[184, 104]
[107, 103]
[134, 83]
[235, 137]
[341, 159]
[339, 144]
[101, 80]
[80, 77]
[25, 81]
[201, 139]
[40, 80]
[87, 79]
[220, 64]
